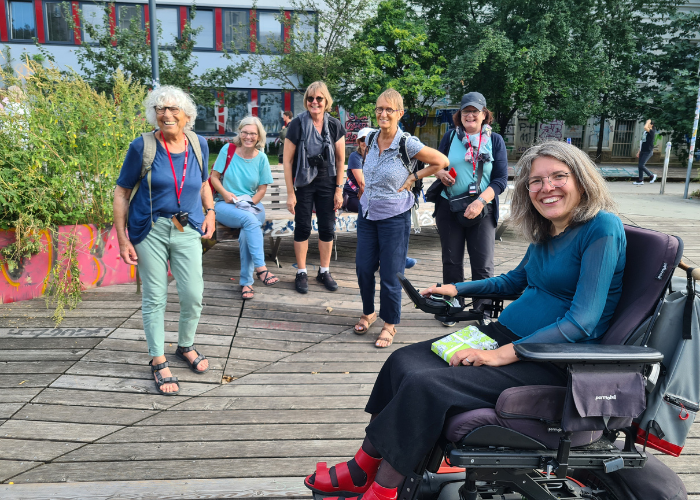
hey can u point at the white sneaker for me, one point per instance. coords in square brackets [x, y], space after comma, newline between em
[652, 179]
[638, 183]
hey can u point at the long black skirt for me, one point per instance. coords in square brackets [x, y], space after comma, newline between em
[416, 391]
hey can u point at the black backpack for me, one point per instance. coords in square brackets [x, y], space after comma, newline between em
[411, 165]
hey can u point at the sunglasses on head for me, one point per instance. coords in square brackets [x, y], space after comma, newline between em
[318, 98]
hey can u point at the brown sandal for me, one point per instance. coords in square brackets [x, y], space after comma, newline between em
[384, 338]
[362, 330]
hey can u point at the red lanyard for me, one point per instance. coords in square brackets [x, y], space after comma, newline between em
[471, 149]
[184, 170]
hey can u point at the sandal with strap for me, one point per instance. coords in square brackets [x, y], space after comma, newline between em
[384, 338]
[367, 318]
[247, 294]
[268, 277]
[375, 492]
[180, 353]
[322, 482]
[160, 381]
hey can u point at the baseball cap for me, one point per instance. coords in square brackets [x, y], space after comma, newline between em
[364, 133]
[473, 99]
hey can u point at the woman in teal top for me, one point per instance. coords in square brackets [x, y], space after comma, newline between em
[571, 279]
[239, 199]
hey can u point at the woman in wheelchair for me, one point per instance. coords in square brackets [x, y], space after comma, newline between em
[571, 281]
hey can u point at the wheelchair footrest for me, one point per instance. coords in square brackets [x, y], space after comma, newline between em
[471, 315]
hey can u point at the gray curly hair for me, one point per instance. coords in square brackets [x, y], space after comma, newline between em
[594, 190]
[171, 96]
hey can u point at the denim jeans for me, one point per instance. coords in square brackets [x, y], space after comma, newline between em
[250, 241]
[641, 166]
[383, 245]
[183, 251]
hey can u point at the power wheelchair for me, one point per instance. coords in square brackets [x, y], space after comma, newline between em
[542, 442]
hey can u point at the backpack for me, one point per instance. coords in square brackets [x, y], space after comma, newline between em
[673, 401]
[412, 166]
[229, 156]
[149, 154]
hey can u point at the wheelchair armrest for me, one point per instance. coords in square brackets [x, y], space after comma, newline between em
[587, 353]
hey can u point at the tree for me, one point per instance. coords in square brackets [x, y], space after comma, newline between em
[538, 57]
[128, 49]
[317, 47]
[393, 50]
[675, 85]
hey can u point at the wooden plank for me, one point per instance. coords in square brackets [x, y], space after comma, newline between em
[42, 451]
[106, 399]
[10, 468]
[21, 395]
[170, 337]
[212, 450]
[9, 409]
[270, 345]
[378, 356]
[109, 384]
[280, 335]
[55, 431]
[171, 469]
[218, 417]
[82, 414]
[278, 403]
[90, 321]
[24, 380]
[42, 354]
[177, 489]
[54, 332]
[256, 354]
[271, 391]
[34, 366]
[241, 367]
[324, 317]
[290, 326]
[227, 433]
[186, 375]
[307, 378]
[321, 367]
[142, 358]
[50, 343]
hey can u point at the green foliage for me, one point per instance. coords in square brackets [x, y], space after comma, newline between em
[27, 243]
[62, 145]
[393, 50]
[63, 286]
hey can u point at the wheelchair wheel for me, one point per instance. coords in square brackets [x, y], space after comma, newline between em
[604, 485]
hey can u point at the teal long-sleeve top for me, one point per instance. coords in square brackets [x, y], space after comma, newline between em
[570, 284]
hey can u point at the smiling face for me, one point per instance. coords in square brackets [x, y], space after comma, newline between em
[249, 136]
[315, 107]
[554, 203]
[472, 119]
[361, 146]
[170, 124]
[386, 121]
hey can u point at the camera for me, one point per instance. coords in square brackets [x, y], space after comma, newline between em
[316, 161]
[182, 218]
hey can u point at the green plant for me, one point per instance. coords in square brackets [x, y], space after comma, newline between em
[63, 283]
[27, 242]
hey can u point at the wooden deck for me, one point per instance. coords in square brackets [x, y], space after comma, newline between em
[80, 417]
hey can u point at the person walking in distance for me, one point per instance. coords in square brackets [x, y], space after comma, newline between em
[646, 149]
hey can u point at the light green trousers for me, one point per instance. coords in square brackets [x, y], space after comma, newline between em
[165, 244]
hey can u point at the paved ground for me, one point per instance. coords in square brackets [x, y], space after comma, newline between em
[79, 416]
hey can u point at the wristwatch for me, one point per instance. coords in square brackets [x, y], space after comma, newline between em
[483, 201]
[208, 209]
[338, 185]
[415, 174]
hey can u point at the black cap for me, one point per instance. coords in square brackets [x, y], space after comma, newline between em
[473, 99]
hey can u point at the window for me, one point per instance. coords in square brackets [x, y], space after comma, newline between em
[168, 20]
[270, 109]
[298, 103]
[236, 102]
[237, 30]
[127, 13]
[22, 20]
[93, 14]
[269, 31]
[204, 19]
[304, 31]
[58, 29]
[206, 121]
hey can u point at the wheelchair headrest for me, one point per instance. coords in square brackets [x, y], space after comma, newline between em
[651, 259]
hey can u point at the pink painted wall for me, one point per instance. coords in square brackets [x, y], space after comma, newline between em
[98, 256]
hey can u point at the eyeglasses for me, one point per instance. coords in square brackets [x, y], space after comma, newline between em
[388, 111]
[249, 134]
[319, 99]
[473, 113]
[556, 180]
[361, 140]
[160, 110]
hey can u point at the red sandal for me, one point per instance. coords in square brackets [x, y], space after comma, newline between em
[375, 492]
[346, 488]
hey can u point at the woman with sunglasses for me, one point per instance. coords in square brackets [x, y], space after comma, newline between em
[472, 149]
[384, 219]
[314, 159]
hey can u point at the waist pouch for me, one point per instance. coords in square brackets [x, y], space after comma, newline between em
[459, 203]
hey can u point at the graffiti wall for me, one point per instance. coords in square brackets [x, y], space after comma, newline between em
[98, 257]
[353, 124]
[551, 130]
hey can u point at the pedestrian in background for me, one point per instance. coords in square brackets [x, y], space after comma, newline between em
[239, 199]
[646, 150]
[384, 219]
[472, 147]
[166, 222]
[286, 118]
[355, 183]
[314, 159]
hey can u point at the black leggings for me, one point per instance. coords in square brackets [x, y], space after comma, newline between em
[416, 391]
[319, 193]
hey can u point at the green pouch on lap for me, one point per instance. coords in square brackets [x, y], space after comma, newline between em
[469, 337]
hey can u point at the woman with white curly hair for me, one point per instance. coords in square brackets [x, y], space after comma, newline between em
[166, 219]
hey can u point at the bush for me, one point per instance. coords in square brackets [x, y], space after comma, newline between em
[62, 145]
